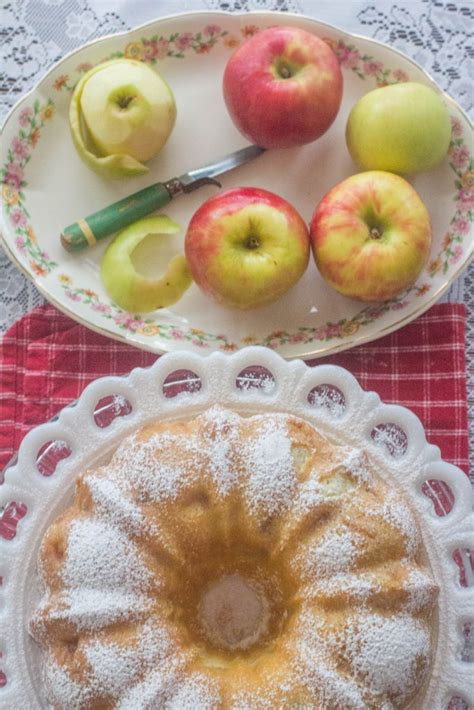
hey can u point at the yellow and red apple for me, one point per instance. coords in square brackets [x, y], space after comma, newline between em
[283, 87]
[246, 247]
[371, 236]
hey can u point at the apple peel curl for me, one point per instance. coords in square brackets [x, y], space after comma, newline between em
[113, 165]
[133, 291]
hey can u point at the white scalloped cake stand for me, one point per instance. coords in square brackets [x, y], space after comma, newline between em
[342, 411]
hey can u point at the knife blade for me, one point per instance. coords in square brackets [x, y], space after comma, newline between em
[89, 230]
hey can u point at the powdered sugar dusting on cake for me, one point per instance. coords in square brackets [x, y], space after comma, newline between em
[271, 484]
[62, 689]
[113, 504]
[152, 470]
[334, 689]
[310, 495]
[396, 512]
[100, 556]
[356, 587]
[94, 608]
[143, 674]
[334, 552]
[357, 464]
[421, 590]
[115, 668]
[248, 701]
[314, 668]
[348, 470]
[221, 438]
[196, 691]
[158, 685]
[385, 652]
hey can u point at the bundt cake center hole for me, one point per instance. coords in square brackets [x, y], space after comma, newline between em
[234, 613]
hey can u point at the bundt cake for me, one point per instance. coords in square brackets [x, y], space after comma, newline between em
[235, 562]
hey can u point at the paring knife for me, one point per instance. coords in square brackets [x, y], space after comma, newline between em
[86, 232]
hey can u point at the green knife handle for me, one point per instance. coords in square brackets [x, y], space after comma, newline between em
[86, 232]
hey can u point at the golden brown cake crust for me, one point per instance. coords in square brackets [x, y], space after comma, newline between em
[234, 562]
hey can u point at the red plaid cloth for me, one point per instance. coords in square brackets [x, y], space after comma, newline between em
[46, 360]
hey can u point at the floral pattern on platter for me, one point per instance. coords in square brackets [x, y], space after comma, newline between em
[365, 65]
[33, 118]
[177, 45]
[462, 162]
[137, 324]
[152, 49]
[303, 335]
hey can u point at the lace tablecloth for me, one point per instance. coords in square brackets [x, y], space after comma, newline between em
[37, 33]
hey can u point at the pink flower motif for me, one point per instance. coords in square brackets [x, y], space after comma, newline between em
[199, 343]
[20, 148]
[184, 41]
[18, 218]
[398, 306]
[14, 175]
[204, 48]
[372, 67]
[122, 318]
[128, 321]
[211, 30]
[158, 49]
[456, 127]
[461, 225]
[348, 57]
[149, 50]
[20, 242]
[375, 312]
[457, 254]
[25, 116]
[459, 155]
[316, 334]
[177, 335]
[400, 75]
[72, 296]
[85, 66]
[332, 330]
[466, 199]
[100, 307]
[297, 338]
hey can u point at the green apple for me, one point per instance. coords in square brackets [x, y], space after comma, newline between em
[246, 247]
[400, 128]
[121, 115]
[128, 288]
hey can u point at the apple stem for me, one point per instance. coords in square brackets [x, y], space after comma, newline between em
[253, 243]
[124, 101]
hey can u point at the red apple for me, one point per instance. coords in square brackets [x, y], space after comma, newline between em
[246, 247]
[283, 87]
[371, 236]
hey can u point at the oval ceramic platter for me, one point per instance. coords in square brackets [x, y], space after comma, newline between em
[45, 186]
